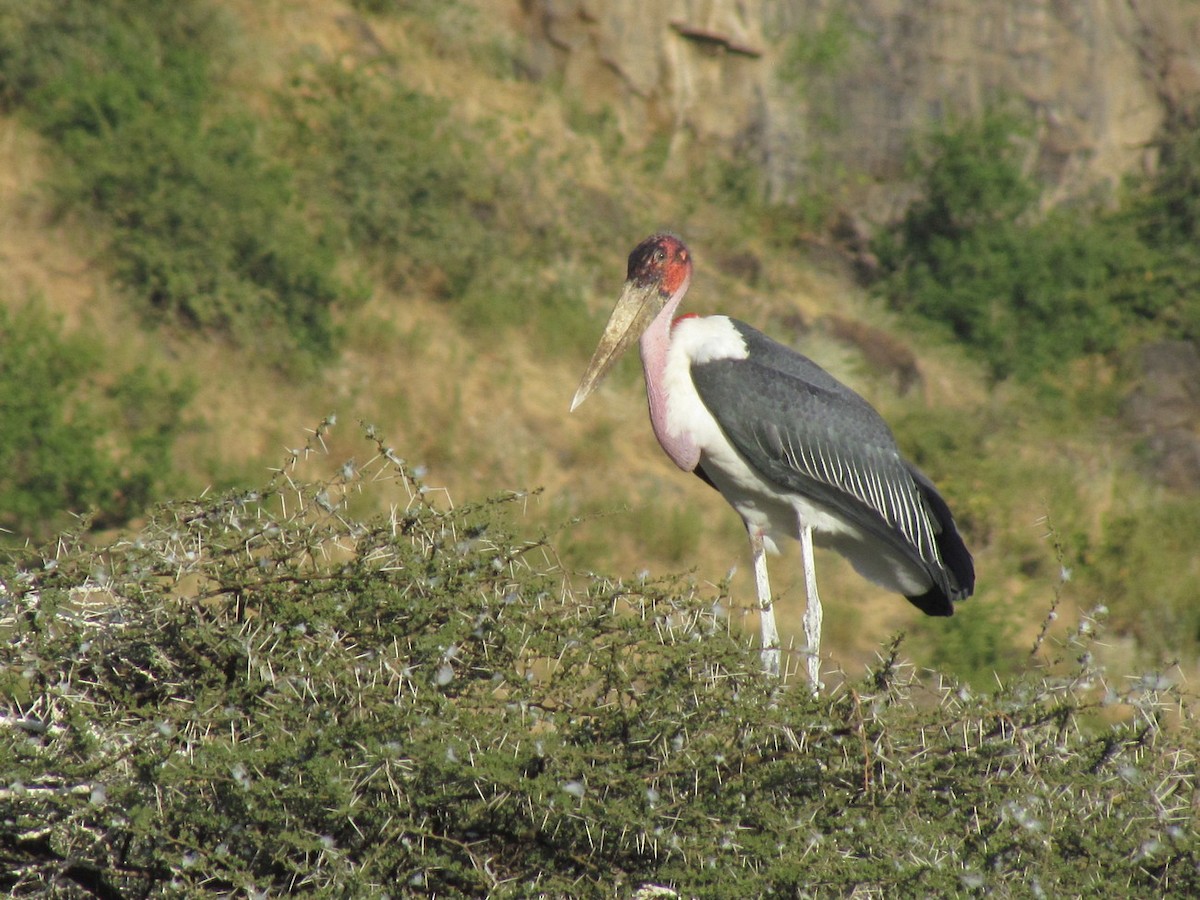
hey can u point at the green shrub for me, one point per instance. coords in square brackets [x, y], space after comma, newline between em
[1028, 292]
[68, 443]
[811, 53]
[417, 193]
[258, 694]
[1172, 203]
[411, 190]
[1164, 210]
[200, 227]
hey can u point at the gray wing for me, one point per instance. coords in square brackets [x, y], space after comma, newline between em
[803, 429]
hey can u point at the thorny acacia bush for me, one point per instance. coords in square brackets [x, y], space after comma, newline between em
[258, 693]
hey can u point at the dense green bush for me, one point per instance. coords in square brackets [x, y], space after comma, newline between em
[258, 694]
[1165, 212]
[411, 189]
[1028, 292]
[199, 226]
[418, 193]
[69, 442]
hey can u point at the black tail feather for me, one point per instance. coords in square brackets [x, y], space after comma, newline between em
[955, 579]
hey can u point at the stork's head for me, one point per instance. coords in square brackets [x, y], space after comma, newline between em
[660, 270]
[661, 261]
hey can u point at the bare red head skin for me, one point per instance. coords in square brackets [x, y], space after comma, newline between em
[661, 260]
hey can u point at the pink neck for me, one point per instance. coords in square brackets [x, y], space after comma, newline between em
[654, 346]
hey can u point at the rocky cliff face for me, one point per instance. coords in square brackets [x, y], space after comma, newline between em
[802, 84]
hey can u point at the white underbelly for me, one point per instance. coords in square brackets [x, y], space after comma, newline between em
[774, 514]
[778, 515]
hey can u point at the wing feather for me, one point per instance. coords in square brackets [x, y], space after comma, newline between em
[809, 433]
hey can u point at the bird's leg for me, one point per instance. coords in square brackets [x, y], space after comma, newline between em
[812, 608]
[766, 610]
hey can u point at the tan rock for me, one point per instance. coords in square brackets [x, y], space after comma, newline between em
[1097, 76]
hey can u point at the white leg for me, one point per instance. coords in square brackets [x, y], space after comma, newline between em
[812, 609]
[766, 610]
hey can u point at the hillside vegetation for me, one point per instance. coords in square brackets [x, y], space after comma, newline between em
[371, 213]
[220, 224]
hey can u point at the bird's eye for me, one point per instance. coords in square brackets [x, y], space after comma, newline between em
[660, 255]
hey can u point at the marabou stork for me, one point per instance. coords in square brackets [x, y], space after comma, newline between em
[794, 451]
